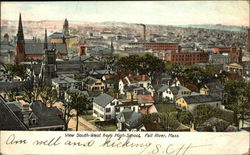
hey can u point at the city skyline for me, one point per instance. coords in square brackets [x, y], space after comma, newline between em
[147, 12]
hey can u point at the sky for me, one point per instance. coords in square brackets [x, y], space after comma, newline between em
[147, 12]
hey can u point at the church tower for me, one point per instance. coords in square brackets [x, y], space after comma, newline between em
[66, 28]
[20, 50]
[45, 44]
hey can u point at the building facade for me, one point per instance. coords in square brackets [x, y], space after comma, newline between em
[187, 58]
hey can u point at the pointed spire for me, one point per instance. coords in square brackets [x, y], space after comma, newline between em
[20, 36]
[45, 46]
[20, 26]
[111, 46]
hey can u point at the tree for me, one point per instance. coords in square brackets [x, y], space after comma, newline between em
[202, 113]
[184, 117]
[146, 64]
[49, 95]
[110, 61]
[79, 102]
[237, 98]
[16, 70]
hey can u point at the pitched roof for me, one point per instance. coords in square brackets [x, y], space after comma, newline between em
[8, 120]
[145, 99]
[90, 80]
[132, 118]
[47, 116]
[200, 99]
[8, 86]
[163, 88]
[82, 58]
[37, 48]
[102, 72]
[103, 99]
[64, 80]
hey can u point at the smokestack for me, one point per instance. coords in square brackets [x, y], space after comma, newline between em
[144, 32]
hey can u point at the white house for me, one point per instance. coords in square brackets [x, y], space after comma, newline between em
[172, 93]
[104, 107]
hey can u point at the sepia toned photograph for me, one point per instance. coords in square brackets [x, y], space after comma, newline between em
[125, 69]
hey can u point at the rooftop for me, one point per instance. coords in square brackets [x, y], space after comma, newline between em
[103, 99]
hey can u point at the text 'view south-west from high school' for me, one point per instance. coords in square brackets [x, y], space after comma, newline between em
[125, 66]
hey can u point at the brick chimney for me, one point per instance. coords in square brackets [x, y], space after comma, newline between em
[116, 95]
[25, 110]
[143, 77]
[81, 50]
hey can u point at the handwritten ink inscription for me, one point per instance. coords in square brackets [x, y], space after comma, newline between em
[112, 141]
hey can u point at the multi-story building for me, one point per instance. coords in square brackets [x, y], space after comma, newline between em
[187, 58]
[233, 52]
[104, 107]
[156, 45]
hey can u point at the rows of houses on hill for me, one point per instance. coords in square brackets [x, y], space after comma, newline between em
[123, 96]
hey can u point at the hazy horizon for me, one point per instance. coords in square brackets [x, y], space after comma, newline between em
[232, 13]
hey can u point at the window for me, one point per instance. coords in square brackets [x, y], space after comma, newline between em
[133, 108]
[108, 116]
[117, 109]
[112, 103]
[108, 109]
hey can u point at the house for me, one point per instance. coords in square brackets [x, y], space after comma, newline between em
[234, 68]
[173, 92]
[111, 81]
[190, 103]
[216, 125]
[63, 83]
[104, 107]
[129, 120]
[9, 89]
[125, 103]
[99, 73]
[214, 89]
[93, 84]
[89, 63]
[244, 123]
[145, 100]
[149, 109]
[135, 80]
[8, 119]
[131, 91]
[45, 118]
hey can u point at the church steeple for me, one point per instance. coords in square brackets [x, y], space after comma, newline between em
[66, 28]
[111, 46]
[45, 45]
[20, 45]
[20, 36]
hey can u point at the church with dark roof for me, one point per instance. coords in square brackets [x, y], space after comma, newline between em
[34, 50]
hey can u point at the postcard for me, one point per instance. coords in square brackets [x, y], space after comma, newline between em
[125, 77]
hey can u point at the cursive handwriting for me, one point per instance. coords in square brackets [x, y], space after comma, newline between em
[173, 150]
[118, 143]
[112, 143]
[12, 140]
[85, 144]
[52, 142]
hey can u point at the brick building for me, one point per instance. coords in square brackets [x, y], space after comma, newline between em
[157, 46]
[187, 58]
[233, 52]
